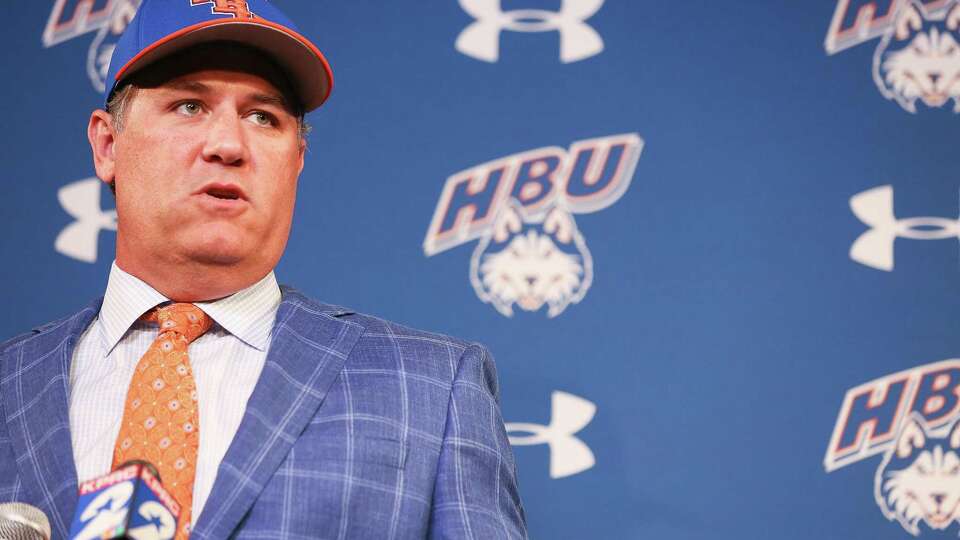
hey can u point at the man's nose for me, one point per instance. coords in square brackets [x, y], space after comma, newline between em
[226, 142]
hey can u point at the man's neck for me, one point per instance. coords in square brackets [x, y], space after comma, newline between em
[191, 282]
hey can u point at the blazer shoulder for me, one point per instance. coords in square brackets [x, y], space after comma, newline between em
[85, 315]
[377, 328]
[372, 325]
[384, 342]
[430, 354]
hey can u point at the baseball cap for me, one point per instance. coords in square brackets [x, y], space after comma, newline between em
[164, 27]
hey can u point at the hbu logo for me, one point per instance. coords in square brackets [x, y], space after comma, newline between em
[874, 248]
[911, 418]
[235, 8]
[521, 207]
[568, 415]
[108, 18]
[918, 56]
[578, 41]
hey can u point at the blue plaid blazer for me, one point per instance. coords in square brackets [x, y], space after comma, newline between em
[357, 428]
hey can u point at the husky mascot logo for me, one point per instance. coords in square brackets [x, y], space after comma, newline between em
[912, 419]
[74, 18]
[919, 478]
[531, 262]
[918, 57]
[531, 253]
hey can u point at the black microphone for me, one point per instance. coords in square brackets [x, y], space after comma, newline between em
[20, 521]
[127, 503]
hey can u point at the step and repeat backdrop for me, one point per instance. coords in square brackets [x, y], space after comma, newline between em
[713, 246]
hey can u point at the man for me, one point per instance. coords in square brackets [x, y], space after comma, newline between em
[266, 413]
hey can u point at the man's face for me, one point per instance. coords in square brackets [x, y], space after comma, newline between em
[206, 164]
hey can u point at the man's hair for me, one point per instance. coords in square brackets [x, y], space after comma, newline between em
[119, 104]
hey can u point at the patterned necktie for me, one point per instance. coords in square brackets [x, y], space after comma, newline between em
[160, 418]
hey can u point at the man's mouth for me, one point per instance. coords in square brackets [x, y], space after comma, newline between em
[225, 192]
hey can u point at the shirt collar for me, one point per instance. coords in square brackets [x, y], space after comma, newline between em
[248, 314]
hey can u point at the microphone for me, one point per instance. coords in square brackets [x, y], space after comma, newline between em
[20, 521]
[127, 503]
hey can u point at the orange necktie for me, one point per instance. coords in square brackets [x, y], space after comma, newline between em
[160, 419]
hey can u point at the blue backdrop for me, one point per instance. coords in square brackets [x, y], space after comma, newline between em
[757, 225]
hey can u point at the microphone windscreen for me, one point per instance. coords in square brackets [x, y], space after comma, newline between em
[20, 521]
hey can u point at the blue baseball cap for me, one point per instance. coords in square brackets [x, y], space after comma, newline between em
[164, 27]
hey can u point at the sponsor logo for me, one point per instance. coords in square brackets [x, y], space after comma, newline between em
[108, 18]
[568, 415]
[521, 207]
[911, 419]
[578, 40]
[81, 200]
[106, 511]
[160, 523]
[874, 248]
[235, 8]
[918, 56]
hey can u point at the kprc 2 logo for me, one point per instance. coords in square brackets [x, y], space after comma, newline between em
[912, 420]
[918, 54]
[521, 208]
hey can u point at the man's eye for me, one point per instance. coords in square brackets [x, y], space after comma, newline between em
[261, 118]
[189, 108]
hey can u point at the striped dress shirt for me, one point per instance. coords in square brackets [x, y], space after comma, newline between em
[226, 363]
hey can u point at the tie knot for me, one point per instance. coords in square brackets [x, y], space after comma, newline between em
[185, 320]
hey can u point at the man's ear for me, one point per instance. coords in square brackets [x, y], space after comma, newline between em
[102, 136]
[303, 152]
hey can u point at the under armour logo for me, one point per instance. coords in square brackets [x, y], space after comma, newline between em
[568, 454]
[81, 200]
[874, 208]
[578, 41]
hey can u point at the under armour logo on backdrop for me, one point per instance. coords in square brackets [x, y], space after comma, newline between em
[578, 40]
[568, 454]
[81, 200]
[874, 248]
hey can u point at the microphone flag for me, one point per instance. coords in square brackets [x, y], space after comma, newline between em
[127, 503]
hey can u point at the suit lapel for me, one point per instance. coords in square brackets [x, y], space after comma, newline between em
[308, 349]
[34, 390]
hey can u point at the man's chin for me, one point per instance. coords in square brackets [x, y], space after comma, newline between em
[217, 258]
[219, 252]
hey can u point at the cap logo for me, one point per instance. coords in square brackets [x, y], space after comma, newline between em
[235, 8]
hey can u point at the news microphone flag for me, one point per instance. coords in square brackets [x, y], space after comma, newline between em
[127, 503]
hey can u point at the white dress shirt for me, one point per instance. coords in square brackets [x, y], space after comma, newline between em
[226, 363]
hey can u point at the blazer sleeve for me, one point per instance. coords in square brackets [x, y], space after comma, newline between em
[476, 493]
